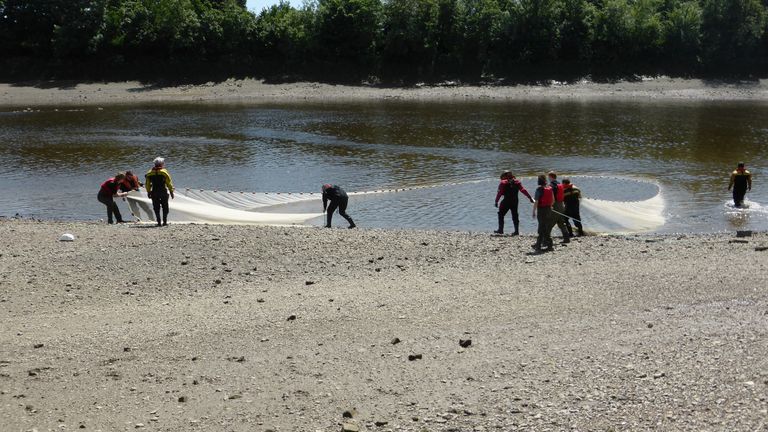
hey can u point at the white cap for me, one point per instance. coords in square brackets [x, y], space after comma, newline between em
[67, 237]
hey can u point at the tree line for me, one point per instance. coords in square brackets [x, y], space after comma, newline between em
[387, 41]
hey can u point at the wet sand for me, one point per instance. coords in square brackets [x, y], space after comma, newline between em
[33, 94]
[244, 328]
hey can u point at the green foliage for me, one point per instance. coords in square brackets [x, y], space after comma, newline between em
[79, 31]
[398, 41]
[344, 43]
[226, 29]
[282, 36]
[575, 34]
[732, 30]
[482, 24]
[409, 39]
[682, 31]
[534, 30]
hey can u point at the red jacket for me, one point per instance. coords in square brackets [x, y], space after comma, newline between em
[557, 188]
[546, 198]
[130, 183]
[508, 189]
[109, 187]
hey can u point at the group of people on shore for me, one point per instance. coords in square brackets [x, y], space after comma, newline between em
[158, 185]
[554, 203]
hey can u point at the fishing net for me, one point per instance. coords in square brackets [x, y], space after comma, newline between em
[217, 207]
[270, 208]
[623, 216]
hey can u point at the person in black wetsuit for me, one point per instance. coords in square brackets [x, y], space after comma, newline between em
[509, 187]
[338, 199]
[741, 182]
[159, 185]
[571, 198]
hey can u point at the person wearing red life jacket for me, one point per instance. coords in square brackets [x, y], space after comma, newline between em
[108, 190]
[509, 187]
[543, 200]
[130, 182]
[558, 209]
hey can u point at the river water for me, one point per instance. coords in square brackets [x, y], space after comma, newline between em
[53, 160]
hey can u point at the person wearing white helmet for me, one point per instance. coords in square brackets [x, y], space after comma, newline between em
[159, 186]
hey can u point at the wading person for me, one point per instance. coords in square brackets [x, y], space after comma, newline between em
[741, 182]
[542, 212]
[159, 186]
[558, 209]
[571, 198]
[509, 187]
[107, 193]
[338, 199]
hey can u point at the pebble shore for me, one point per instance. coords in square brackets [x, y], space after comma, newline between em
[245, 328]
[34, 95]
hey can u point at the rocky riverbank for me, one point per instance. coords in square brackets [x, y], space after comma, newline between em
[35, 94]
[196, 327]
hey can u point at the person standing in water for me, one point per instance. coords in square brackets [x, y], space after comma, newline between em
[107, 193]
[741, 182]
[571, 198]
[558, 209]
[544, 199]
[159, 186]
[338, 199]
[509, 187]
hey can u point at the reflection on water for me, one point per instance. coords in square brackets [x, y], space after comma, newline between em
[52, 161]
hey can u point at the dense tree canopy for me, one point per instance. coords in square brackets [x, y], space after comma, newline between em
[397, 41]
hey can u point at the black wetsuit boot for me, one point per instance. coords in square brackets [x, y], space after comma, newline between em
[160, 202]
[515, 219]
[343, 201]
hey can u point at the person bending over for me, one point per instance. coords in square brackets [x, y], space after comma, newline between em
[741, 182]
[108, 190]
[130, 182]
[338, 199]
[159, 186]
[509, 187]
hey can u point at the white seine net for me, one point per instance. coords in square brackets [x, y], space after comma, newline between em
[217, 207]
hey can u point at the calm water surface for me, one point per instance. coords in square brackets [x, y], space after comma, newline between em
[52, 161]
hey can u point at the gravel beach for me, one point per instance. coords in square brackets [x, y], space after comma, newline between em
[245, 328]
[34, 94]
